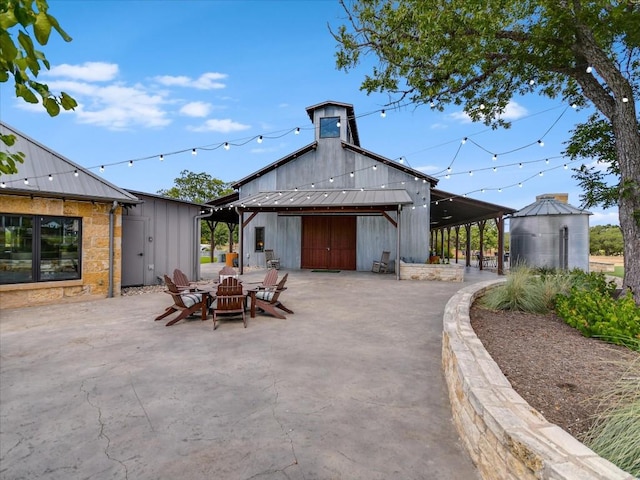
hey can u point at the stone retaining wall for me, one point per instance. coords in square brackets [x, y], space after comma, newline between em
[506, 438]
[426, 271]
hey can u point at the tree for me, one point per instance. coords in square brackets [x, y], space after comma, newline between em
[21, 61]
[605, 240]
[200, 188]
[482, 54]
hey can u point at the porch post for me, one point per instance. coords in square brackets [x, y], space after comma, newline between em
[500, 224]
[467, 228]
[241, 240]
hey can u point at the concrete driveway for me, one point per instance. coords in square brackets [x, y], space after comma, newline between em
[349, 387]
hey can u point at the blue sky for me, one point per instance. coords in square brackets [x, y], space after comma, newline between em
[157, 77]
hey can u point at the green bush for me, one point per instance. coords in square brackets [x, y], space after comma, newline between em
[598, 314]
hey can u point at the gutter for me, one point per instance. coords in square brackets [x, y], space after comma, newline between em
[111, 252]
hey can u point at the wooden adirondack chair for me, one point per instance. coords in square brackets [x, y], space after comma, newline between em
[182, 281]
[267, 299]
[270, 279]
[229, 300]
[227, 272]
[185, 303]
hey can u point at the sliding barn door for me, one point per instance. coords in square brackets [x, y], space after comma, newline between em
[329, 242]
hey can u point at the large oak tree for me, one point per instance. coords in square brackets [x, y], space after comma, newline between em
[480, 54]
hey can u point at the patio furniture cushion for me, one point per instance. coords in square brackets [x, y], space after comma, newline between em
[191, 299]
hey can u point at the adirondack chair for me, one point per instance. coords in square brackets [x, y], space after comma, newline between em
[186, 303]
[272, 261]
[383, 265]
[182, 281]
[270, 279]
[229, 300]
[227, 272]
[267, 299]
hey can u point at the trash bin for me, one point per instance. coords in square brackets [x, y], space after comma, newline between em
[229, 261]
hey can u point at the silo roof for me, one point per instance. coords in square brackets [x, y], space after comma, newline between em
[549, 206]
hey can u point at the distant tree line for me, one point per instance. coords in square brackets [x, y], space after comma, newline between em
[606, 240]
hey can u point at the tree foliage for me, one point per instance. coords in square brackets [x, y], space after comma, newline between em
[605, 240]
[200, 188]
[20, 60]
[482, 54]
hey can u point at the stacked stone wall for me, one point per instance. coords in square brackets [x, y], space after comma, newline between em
[506, 438]
[94, 279]
[426, 271]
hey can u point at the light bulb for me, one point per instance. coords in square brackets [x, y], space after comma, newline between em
[532, 82]
[194, 152]
[448, 169]
[26, 181]
[625, 99]
[297, 132]
[470, 173]
[541, 143]
[102, 168]
[375, 167]
[75, 173]
[331, 180]
[482, 106]
[589, 69]
[565, 166]
[495, 157]
[131, 163]
[541, 174]
[447, 176]
[338, 124]
[50, 178]
[383, 185]
[313, 185]
[546, 160]
[227, 146]
[383, 113]
[352, 174]
[260, 139]
[520, 166]
[574, 105]
[464, 140]
[432, 103]
[161, 158]
[495, 169]
[3, 185]
[520, 184]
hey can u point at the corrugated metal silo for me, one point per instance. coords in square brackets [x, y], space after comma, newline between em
[550, 233]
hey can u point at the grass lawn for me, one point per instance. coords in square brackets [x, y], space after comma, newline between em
[618, 271]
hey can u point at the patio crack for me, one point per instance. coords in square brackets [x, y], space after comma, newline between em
[101, 433]
[287, 433]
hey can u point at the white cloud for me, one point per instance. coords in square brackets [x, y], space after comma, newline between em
[206, 81]
[88, 71]
[512, 111]
[604, 218]
[428, 168]
[439, 126]
[224, 125]
[196, 109]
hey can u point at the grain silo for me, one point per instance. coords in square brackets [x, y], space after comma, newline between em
[550, 233]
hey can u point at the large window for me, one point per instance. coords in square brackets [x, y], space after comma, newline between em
[329, 127]
[39, 248]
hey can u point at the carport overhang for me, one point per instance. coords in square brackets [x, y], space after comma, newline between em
[447, 210]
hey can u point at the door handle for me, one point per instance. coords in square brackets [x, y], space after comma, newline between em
[328, 249]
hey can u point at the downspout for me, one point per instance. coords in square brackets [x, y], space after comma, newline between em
[196, 239]
[398, 244]
[114, 206]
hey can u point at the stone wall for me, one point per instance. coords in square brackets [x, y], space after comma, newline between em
[506, 438]
[94, 280]
[425, 271]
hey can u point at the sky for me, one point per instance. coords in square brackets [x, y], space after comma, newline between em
[164, 77]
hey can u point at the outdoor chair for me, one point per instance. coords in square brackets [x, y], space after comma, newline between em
[182, 281]
[187, 303]
[229, 300]
[270, 279]
[383, 265]
[268, 299]
[272, 261]
[227, 272]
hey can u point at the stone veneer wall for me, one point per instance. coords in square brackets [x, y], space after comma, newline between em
[506, 438]
[95, 252]
[425, 271]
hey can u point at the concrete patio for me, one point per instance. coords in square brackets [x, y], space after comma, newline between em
[349, 387]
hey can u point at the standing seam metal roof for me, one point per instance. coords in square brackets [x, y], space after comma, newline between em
[549, 206]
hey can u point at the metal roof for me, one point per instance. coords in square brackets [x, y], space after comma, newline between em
[549, 206]
[451, 209]
[50, 174]
[375, 200]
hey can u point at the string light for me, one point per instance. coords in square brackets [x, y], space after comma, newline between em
[625, 99]
[102, 168]
[26, 181]
[589, 69]
[194, 152]
[50, 178]
[75, 173]
[383, 113]
[541, 143]
[260, 139]
[3, 185]
[331, 180]
[464, 140]
[297, 131]
[227, 146]
[495, 157]
[131, 163]
[161, 158]
[352, 174]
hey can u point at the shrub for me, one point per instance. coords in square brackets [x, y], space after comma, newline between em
[597, 314]
[520, 292]
[614, 435]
